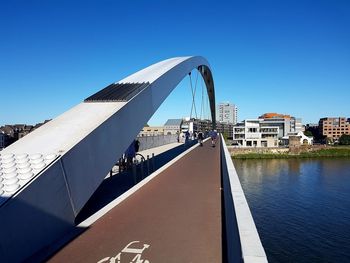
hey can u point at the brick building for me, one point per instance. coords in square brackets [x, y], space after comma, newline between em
[333, 128]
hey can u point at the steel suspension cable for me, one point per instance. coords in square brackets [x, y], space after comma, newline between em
[202, 101]
[207, 108]
[193, 95]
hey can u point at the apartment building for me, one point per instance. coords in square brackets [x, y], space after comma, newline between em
[196, 125]
[252, 133]
[226, 113]
[225, 129]
[333, 128]
[285, 123]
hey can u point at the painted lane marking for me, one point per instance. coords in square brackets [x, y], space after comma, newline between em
[128, 250]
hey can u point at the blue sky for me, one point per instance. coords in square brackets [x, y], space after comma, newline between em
[291, 57]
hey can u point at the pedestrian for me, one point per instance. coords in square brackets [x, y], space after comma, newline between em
[200, 138]
[213, 136]
[187, 137]
[130, 154]
[137, 145]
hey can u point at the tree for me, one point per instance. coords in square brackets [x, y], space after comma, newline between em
[329, 140]
[344, 139]
[225, 135]
[308, 134]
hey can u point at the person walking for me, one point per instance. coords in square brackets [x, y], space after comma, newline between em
[187, 138]
[137, 145]
[130, 154]
[213, 136]
[181, 137]
[200, 138]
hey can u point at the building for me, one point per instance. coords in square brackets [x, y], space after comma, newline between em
[205, 125]
[311, 126]
[226, 113]
[2, 140]
[296, 125]
[196, 125]
[12, 133]
[151, 131]
[296, 139]
[252, 133]
[7, 134]
[285, 123]
[172, 126]
[36, 126]
[190, 125]
[333, 128]
[22, 130]
[225, 129]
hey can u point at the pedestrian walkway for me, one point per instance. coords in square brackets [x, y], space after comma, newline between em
[117, 184]
[160, 149]
[156, 151]
[175, 217]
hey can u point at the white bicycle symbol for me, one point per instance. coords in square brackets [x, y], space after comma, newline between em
[128, 250]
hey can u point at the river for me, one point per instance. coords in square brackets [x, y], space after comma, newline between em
[301, 208]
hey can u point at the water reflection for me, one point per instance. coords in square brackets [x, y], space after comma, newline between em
[301, 207]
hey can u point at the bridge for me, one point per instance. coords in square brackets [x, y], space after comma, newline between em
[191, 209]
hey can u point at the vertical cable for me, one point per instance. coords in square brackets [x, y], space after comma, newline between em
[191, 93]
[193, 96]
[202, 102]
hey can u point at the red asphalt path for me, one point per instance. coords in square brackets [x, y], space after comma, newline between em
[176, 217]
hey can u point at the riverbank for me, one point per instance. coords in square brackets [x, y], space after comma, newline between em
[286, 153]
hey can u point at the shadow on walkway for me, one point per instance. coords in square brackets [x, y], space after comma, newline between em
[113, 187]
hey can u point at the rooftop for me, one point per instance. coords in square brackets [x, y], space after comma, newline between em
[173, 122]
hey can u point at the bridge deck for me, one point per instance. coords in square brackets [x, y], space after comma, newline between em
[178, 214]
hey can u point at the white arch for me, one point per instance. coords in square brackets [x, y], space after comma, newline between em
[69, 156]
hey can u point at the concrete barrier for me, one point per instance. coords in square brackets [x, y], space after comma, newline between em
[241, 241]
[148, 142]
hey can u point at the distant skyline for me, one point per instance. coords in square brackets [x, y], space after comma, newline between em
[290, 57]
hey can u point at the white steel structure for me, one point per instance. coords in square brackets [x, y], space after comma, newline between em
[48, 176]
